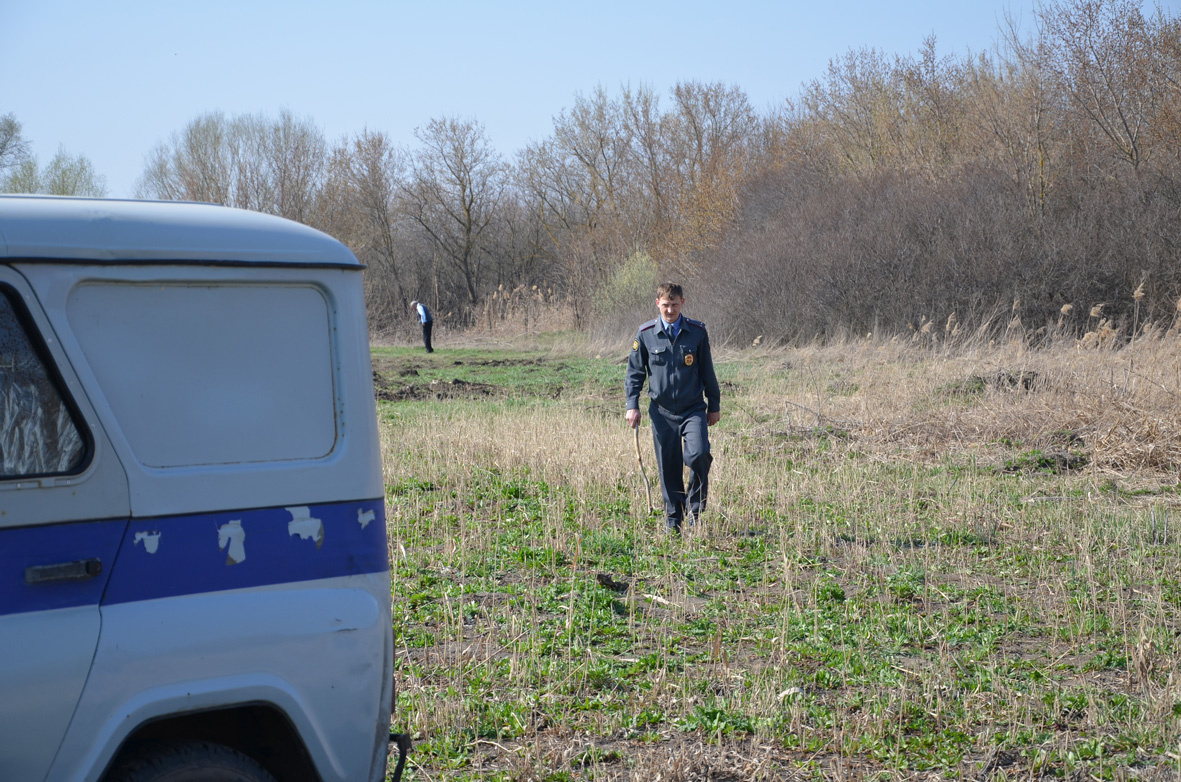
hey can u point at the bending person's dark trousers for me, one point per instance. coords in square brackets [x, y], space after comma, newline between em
[669, 431]
[426, 336]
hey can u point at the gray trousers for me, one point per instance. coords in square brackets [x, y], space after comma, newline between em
[669, 431]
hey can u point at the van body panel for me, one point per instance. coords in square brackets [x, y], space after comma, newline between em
[99, 490]
[122, 232]
[353, 460]
[213, 552]
[59, 535]
[48, 633]
[49, 655]
[214, 535]
[25, 548]
[215, 650]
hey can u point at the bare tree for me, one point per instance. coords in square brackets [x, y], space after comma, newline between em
[195, 165]
[249, 162]
[65, 174]
[933, 109]
[68, 174]
[1165, 32]
[456, 186]
[295, 154]
[14, 148]
[655, 171]
[711, 134]
[581, 184]
[1016, 112]
[1101, 53]
[370, 171]
[593, 137]
[855, 104]
[718, 124]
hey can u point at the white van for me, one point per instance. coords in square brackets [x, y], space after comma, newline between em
[194, 578]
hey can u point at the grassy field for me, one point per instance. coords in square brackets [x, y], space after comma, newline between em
[916, 563]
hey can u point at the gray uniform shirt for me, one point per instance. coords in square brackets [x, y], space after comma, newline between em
[679, 373]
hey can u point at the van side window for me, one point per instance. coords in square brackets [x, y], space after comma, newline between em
[209, 373]
[38, 436]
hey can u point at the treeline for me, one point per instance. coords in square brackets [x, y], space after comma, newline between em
[1038, 185]
[1041, 179]
[571, 225]
[64, 174]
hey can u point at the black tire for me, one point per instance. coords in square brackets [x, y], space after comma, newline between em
[186, 761]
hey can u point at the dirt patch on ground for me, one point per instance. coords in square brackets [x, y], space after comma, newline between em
[388, 390]
[398, 379]
[402, 366]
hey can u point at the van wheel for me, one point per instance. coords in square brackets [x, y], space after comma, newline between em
[186, 761]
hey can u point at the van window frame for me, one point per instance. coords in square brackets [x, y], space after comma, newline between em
[97, 365]
[25, 320]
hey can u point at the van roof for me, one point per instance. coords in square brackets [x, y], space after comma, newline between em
[60, 228]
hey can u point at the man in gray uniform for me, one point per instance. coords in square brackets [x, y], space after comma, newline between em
[672, 353]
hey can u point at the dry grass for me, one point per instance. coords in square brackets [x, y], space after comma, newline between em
[919, 562]
[1123, 403]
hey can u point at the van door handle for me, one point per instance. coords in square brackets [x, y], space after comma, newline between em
[81, 570]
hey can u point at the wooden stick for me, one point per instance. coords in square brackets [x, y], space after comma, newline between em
[640, 461]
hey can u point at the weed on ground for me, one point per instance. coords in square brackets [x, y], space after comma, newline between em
[897, 577]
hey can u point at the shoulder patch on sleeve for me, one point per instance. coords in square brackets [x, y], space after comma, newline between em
[635, 344]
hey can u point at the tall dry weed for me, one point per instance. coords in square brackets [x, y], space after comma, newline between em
[1123, 405]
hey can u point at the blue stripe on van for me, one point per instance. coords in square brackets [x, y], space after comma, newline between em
[183, 555]
[26, 547]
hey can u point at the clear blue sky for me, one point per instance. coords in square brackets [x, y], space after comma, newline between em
[112, 80]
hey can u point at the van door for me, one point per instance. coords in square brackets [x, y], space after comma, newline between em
[64, 508]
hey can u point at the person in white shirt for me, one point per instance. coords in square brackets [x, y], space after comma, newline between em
[424, 317]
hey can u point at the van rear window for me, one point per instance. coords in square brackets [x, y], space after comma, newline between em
[200, 374]
[38, 435]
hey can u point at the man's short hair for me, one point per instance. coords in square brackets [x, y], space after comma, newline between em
[669, 290]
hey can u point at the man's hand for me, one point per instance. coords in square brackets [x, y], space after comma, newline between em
[712, 418]
[633, 418]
